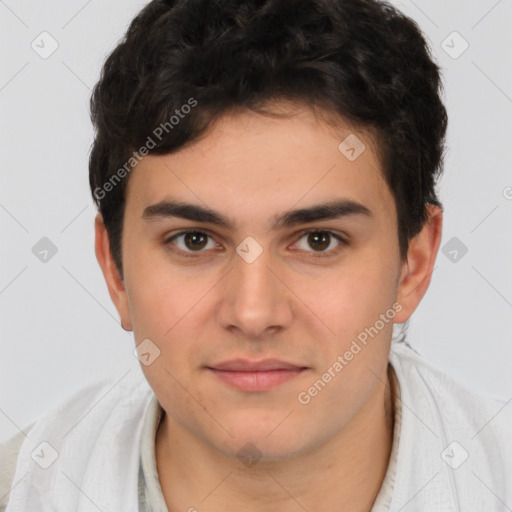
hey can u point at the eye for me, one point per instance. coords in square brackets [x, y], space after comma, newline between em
[320, 241]
[191, 241]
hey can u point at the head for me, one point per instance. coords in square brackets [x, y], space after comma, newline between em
[224, 127]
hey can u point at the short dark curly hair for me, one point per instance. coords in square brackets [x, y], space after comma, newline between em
[184, 63]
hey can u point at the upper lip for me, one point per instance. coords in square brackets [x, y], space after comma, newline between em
[245, 365]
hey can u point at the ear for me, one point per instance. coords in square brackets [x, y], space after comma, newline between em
[110, 273]
[418, 267]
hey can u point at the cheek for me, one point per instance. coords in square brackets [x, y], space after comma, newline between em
[352, 299]
[164, 306]
[159, 294]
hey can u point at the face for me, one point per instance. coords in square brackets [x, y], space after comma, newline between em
[312, 296]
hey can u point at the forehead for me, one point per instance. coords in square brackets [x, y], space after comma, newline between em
[253, 166]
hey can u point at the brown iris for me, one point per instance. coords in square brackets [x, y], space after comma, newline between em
[195, 240]
[319, 237]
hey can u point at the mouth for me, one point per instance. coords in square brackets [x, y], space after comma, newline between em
[256, 376]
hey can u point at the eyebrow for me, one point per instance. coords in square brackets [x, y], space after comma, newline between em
[323, 211]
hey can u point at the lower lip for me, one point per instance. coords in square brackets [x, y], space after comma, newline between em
[256, 381]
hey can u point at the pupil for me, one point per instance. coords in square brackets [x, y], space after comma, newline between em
[315, 237]
[194, 237]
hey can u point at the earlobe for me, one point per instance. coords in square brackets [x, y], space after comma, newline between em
[417, 269]
[110, 272]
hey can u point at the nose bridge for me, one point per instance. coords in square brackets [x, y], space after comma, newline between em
[254, 298]
[254, 278]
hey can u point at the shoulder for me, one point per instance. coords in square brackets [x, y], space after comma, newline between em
[8, 456]
[462, 436]
[91, 405]
[10, 449]
[426, 382]
[103, 407]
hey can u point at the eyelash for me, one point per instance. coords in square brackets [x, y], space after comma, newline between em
[328, 254]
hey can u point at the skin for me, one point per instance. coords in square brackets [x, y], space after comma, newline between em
[290, 303]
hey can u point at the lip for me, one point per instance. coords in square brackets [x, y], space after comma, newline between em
[256, 376]
[246, 365]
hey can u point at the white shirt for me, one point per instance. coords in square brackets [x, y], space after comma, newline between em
[151, 498]
[451, 452]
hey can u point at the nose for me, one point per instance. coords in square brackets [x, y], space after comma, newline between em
[254, 299]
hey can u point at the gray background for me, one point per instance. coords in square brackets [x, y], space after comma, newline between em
[59, 329]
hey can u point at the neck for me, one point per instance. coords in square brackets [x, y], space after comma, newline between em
[345, 473]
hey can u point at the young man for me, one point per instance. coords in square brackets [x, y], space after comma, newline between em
[265, 176]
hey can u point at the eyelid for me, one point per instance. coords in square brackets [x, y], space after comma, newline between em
[339, 236]
[168, 240]
[342, 239]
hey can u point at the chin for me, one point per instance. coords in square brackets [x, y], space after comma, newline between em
[251, 450]
[250, 442]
